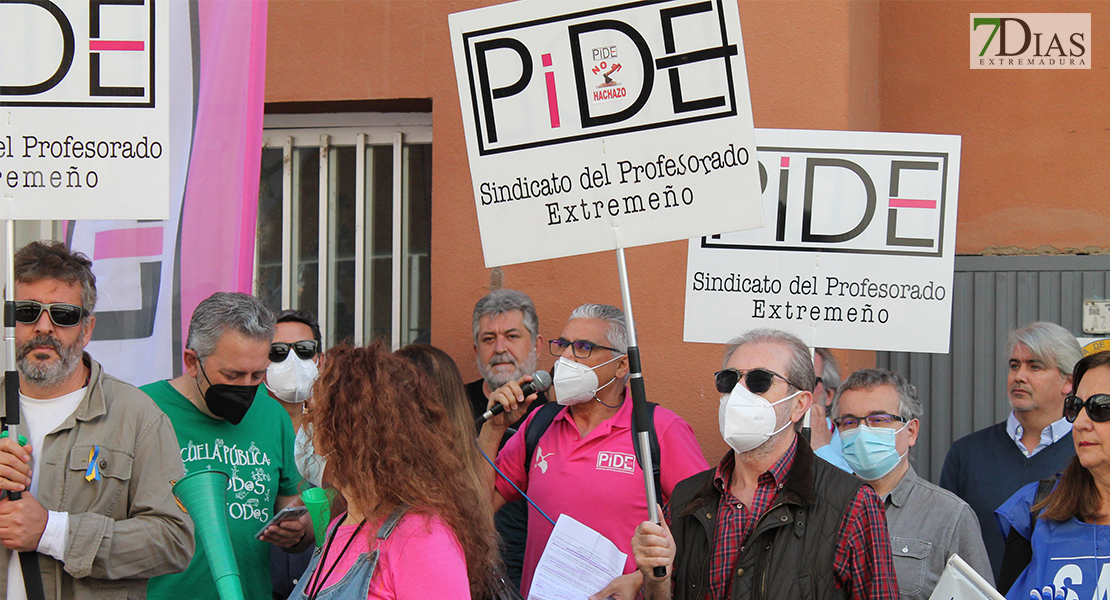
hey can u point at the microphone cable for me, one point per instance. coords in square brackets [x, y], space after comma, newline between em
[538, 509]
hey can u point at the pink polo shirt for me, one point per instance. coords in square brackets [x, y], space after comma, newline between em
[595, 479]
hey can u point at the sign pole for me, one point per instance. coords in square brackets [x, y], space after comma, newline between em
[28, 561]
[640, 418]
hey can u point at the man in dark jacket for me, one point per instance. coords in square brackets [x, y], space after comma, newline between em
[771, 520]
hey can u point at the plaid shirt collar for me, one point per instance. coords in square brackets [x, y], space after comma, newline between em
[778, 471]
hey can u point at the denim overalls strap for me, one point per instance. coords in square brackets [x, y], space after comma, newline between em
[355, 584]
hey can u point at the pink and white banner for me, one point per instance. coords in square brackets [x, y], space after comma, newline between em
[152, 274]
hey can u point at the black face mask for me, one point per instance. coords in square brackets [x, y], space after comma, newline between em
[229, 402]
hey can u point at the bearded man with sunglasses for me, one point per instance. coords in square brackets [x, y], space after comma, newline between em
[877, 414]
[221, 425]
[97, 511]
[584, 465]
[771, 520]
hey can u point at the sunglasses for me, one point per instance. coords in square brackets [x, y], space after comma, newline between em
[61, 314]
[756, 380]
[1098, 408]
[305, 349]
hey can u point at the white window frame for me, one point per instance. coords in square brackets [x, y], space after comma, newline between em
[290, 131]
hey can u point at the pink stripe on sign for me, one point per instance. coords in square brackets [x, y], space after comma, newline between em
[552, 101]
[104, 45]
[907, 203]
[127, 243]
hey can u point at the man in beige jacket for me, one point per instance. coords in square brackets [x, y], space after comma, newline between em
[97, 509]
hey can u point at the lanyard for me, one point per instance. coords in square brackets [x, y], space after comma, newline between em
[319, 581]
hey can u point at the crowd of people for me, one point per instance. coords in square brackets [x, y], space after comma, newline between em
[434, 498]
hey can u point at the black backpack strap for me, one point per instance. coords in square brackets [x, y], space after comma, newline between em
[653, 443]
[542, 419]
[1019, 551]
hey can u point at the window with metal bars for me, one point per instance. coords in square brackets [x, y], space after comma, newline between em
[344, 223]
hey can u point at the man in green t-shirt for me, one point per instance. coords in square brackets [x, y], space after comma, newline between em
[219, 425]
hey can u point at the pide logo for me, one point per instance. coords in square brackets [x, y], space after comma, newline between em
[616, 461]
[77, 53]
[599, 73]
[609, 89]
[849, 201]
[1030, 41]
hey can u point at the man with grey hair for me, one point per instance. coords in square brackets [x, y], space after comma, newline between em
[877, 414]
[583, 464]
[95, 475]
[986, 467]
[770, 515]
[507, 342]
[826, 440]
[219, 425]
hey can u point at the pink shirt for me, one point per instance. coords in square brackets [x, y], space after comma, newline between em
[420, 545]
[595, 479]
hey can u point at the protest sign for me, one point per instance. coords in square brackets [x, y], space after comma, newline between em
[152, 274]
[85, 110]
[591, 128]
[960, 582]
[858, 251]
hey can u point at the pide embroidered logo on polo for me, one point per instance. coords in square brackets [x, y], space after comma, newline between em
[1031, 41]
[616, 461]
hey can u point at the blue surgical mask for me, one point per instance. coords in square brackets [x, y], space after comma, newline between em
[871, 451]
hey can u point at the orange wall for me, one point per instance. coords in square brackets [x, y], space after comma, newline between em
[1035, 143]
[1034, 146]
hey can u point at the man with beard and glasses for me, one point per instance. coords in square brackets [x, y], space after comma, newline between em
[988, 466]
[506, 344]
[771, 520]
[219, 425]
[97, 510]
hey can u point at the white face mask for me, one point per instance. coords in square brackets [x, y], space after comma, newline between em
[748, 420]
[309, 464]
[576, 383]
[291, 379]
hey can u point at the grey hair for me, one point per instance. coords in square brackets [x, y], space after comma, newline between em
[618, 332]
[1049, 343]
[502, 301]
[800, 371]
[909, 407]
[228, 310]
[830, 369]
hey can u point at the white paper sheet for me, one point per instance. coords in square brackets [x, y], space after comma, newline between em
[960, 582]
[577, 563]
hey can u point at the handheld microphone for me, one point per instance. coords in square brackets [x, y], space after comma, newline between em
[541, 382]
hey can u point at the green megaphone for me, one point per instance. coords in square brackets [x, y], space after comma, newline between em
[318, 502]
[204, 496]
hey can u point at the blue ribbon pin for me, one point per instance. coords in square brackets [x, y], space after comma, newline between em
[92, 472]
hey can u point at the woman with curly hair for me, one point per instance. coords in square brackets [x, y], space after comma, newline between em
[413, 529]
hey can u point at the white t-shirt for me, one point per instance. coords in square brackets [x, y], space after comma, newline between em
[40, 418]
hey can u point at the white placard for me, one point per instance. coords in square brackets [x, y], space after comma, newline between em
[595, 127]
[857, 253]
[959, 581]
[84, 110]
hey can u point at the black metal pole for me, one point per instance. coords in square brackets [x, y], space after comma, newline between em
[29, 561]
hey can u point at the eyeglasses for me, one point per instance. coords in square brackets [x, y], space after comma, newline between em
[756, 380]
[581, 348]
[850, 422]
[1098, 408]
[61, 314]
[305, 349]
